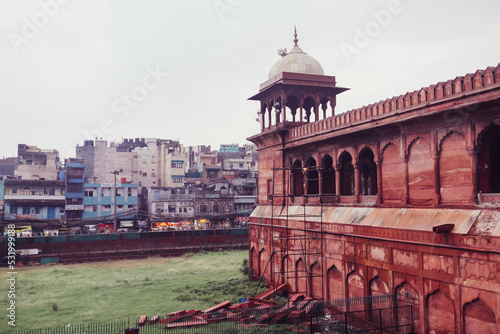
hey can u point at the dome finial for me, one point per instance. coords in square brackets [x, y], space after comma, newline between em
[295, 40]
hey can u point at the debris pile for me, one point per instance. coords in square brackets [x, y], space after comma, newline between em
[254, 311]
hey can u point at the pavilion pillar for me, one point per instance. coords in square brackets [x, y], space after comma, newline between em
[406, 195]
[474, 167]
[380, 189]
[357, 179]
[337, 182]
[437, 183]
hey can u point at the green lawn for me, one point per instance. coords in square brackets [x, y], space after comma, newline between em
[53, 295]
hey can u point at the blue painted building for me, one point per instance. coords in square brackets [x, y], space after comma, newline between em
[100, 198]
[33, 200]
[74, 178]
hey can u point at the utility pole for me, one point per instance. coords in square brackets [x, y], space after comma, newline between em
[115, 172]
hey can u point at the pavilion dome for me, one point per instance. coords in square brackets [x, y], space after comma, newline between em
[296, 61]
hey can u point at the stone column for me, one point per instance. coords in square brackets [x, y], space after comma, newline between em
[333, 103]
[301, 106]
[337, 182]
[283, 108]
[474, 166]
[380, 189]
[357, 180]
[306, 180]
[320, 180]
[269, 110]
[437, 183]
[277, 111]
[406, 193]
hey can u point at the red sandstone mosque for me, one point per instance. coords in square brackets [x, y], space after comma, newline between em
[399, 196]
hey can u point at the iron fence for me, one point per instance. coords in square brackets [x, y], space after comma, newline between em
[372, 314]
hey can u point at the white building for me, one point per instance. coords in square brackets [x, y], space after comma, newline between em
[102, 159]
[36, 164]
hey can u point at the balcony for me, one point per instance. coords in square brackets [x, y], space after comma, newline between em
[170, 197]
[35, 197]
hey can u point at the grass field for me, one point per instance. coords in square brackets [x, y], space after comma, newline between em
[53, 295]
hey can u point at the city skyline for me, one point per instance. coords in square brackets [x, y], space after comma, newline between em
[73, 71]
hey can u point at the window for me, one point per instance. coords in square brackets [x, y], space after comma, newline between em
[52, 191]
[107, 207]
[130, 191]
[75, 172]
[74, 188]
[241, 165]
[26, 211]
[120, 207]
[14, 190]
[94, 208]
[89, 193]
[216, 208]
[203, 208]
[172, 209]
[37, 211]
[177, 179]
[176, 164]
[13, 210]
[121, 170]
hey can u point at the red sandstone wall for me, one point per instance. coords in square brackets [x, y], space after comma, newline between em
[455, 289]
[420, 172]
[392, 174]
[455, 170]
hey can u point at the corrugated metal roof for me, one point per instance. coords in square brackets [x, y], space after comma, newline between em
[466, 221]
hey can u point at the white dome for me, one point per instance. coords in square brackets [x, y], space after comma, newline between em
[297, 61]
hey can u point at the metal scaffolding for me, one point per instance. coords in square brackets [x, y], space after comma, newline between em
[293, 244]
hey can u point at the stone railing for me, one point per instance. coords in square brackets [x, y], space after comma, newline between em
[455, 87]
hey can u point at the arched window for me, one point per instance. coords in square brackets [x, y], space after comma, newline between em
[489, 160]
[309, 108]
[328, 176]
[346, 174]
[293, 104]
[312, 177]
[297, 178]
[368, 173]
[479, 318]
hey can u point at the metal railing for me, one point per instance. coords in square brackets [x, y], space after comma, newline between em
[381, 314]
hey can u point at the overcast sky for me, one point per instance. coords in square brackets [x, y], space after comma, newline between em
[72, 70]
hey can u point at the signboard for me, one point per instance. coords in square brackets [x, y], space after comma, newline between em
[127, 223]
[212, 195]
[25, 216]
[74, 207]
[107, 184]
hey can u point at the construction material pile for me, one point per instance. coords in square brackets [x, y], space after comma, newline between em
[255, 311]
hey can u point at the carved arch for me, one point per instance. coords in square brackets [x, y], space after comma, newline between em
[447, 135]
